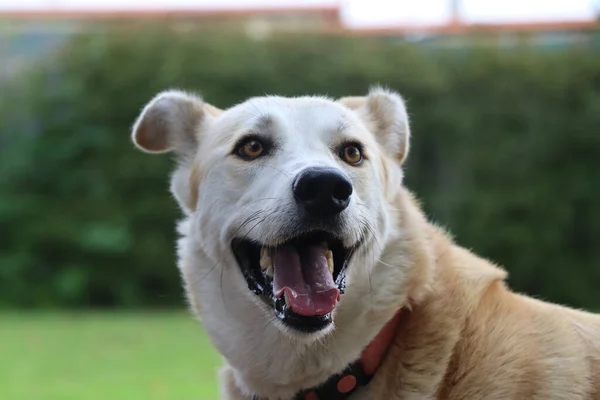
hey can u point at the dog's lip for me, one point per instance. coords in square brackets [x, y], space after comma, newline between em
[247, 254]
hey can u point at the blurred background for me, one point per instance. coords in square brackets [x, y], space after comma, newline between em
[505, 106]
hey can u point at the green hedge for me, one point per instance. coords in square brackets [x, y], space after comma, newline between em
[506, 154]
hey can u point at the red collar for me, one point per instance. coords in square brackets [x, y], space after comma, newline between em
[373, 355]
[341, 386]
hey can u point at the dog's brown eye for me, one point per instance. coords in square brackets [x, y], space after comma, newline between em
[251, 149]
[352, 154]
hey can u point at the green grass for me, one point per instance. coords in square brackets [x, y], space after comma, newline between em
[104, 356]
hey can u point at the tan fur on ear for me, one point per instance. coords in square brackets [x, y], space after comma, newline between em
[212, 110]
[171, 121]
[353, 102]
[384, 114]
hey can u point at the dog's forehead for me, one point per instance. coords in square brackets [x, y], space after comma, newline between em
[307, 115]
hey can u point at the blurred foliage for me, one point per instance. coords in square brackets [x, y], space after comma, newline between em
[506, 154]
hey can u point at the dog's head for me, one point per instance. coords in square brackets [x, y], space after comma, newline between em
[287, 204]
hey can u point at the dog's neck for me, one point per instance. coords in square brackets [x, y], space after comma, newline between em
[341, 386]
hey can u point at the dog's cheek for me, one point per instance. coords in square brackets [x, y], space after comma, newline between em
[180, 188]
[185, 182]
[194, 185]
[390, 178]
[192, 299]
[384, 185]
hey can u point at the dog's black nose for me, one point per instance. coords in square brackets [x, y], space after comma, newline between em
[322, 192]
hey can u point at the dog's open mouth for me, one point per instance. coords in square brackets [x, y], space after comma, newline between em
[301, 279]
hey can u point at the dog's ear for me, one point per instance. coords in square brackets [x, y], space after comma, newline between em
[172, 120]
[175, 120]
[384, 114]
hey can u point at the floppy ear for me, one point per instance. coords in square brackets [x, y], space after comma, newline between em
[384, 114]
[172, 121]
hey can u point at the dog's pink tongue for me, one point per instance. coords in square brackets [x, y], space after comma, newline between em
[304, 276]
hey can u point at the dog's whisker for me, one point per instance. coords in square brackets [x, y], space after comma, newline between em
[249, 220]
[384, 263]
[223, 292]
[210, 270]
[371, 230]
[258, 201]
[253, 227]
[270, 321]
[278, 170]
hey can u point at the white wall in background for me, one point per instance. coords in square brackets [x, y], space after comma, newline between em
[383, 13]
[507, 11]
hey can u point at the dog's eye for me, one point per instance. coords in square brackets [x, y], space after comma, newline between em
[250, 149]
[352, 154]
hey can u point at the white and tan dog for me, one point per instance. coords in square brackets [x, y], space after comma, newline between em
[317, 275]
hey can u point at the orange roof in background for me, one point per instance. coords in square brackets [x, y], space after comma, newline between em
[168, 13]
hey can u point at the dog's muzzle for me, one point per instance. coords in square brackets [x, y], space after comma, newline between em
[303, 276]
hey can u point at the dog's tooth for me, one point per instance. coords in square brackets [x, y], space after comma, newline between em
[265, 260]
[329, 257]
[270, 271]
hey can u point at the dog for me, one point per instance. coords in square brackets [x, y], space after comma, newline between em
[317, 275]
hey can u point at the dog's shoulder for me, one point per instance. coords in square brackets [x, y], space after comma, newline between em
[462, 274]
[476, 273]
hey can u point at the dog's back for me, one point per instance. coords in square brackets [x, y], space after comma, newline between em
[515, 347]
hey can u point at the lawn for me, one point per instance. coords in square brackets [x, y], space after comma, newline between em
[105, 356]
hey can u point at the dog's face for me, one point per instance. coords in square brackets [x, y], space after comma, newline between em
[288, 204]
